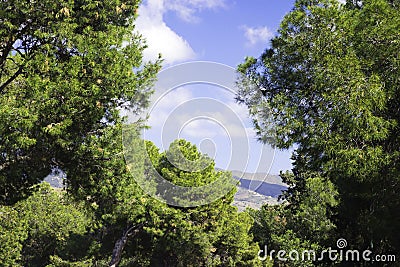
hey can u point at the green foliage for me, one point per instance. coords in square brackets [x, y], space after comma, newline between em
[45, 224]
[65, 69]
[54, 225]
[301, 223]
[184, 177]
[214, 234]
[13, 231]
[58, 262]
[329, 84]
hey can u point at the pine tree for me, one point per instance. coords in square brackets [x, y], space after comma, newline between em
[329, 84]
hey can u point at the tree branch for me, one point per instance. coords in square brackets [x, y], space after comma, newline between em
[15, 75]
[120, 244]
[14, 36]
[5, 52]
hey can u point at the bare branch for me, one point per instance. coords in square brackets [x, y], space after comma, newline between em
[120, 244]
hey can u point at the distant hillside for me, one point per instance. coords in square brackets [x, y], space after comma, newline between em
[263, 188]
[245, 198]
[265, 177]
[262, 183]
[257, 189]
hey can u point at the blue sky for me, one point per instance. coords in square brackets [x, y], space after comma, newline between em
[220, 31]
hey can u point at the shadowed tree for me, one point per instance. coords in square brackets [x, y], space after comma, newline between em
[330, 83]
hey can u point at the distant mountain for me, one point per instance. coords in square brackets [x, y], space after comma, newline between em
[257, 189]
[263, 188]
[264, 177]
[262, 183]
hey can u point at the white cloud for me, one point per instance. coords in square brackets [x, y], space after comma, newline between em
[256, 35]
[202, 128]
[223, 123]
[160, 38]
[186, 9]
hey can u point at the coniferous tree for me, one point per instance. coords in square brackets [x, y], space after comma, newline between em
[329, 84]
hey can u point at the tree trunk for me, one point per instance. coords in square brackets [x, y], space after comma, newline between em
[120, 244]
